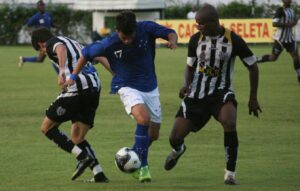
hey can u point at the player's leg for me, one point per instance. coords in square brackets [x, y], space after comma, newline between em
[51, 131]
[191, 116]
[227, 117]
[78, 133]
[293, 50]
[63, 109]
[181, 128]
[135, 106]
[40, 58]
[276, 50]
[142, 139]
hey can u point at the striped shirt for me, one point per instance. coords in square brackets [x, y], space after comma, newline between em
[284, 15]
[87, 78]
[213, 58]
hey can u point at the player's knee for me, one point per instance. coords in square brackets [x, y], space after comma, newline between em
[143, 120]
[229, 125]
[77, 139]
[154, 136]
[273, 57]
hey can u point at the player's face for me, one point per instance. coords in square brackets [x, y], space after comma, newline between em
[205, 25]
[126, 39]
[287, 3]
[41, 7]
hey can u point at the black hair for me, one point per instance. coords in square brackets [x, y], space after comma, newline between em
[210, 11]
[40, 2]
[40, 35]
[126, 22]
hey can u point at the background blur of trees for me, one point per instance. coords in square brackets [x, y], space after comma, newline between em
[78, 24]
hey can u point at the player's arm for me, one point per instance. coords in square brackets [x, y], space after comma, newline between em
[159, 31]
[250, 61]
[277, 19]
[172, 40]
[191, 64]
[61, 53]
[88, 54]
[188, 78]
[105, 63]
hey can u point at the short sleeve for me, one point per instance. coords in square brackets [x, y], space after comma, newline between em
[241, 49]
[93, 50]
[278, 15]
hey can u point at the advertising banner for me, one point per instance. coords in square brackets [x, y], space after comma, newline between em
[251, 30]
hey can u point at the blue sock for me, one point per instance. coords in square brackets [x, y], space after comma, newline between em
[141, 144]
[30, 59]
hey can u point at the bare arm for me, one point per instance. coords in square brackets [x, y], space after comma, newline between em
[172, 41]
[105, 63]
[188, 78]
[61, 52]
[80, 63]
[253, 103]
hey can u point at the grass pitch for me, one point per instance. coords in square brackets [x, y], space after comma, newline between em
[269, 154]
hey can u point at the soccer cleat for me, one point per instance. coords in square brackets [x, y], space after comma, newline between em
[136, 174]
[173, 157]
[99, 178]
[145, 175]
[21, 62]
[229, 178]
[82, 165]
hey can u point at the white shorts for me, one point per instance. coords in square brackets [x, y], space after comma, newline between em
[131, 97]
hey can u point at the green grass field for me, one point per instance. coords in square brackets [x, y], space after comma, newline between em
[269, 155]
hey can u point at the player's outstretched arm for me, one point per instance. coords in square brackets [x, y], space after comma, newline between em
[61, 52]
[253, 102]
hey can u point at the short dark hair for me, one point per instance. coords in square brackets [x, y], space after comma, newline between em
[40, 2]
[126, 22]
[40, 35]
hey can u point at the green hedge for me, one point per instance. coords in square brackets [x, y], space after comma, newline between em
[76, 24]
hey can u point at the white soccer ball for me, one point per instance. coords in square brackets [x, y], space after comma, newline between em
[127, 160]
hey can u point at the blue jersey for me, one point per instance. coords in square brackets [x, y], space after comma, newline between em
[132, 64]
[40, 20]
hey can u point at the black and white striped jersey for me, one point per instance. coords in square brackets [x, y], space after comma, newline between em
[213, 58]
[284, 15]
[87, 78]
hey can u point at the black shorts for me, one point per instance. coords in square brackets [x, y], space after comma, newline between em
[75, 107]
[199, 111]
[279, 46]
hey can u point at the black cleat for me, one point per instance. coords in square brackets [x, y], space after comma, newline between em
[81, 166]
[173, 157]
[99, 178]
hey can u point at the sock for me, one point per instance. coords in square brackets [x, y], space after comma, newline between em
[141, 144]
[231, 149]
[95, 166]
[177, 145]
[264, 58]
[30, 59]
[60, 139]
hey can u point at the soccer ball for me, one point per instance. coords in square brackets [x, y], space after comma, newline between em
[127, 160]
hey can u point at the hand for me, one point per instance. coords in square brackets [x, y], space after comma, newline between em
[254, 107]
[171, 45]
[69, 82]
[184, 91]
[61, 79]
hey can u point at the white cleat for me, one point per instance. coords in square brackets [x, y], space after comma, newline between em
[229, 178]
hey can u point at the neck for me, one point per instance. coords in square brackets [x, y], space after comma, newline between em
[216, 32]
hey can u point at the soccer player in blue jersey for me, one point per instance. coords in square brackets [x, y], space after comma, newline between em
[131, 52]
[38, 20]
